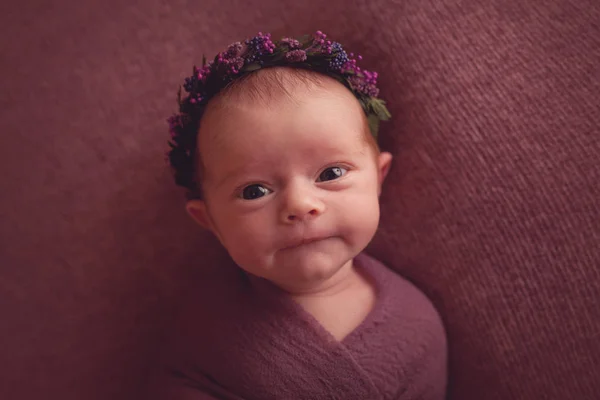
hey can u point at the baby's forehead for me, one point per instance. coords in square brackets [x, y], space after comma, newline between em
[275, 86]
[269, 100]
[317, 112]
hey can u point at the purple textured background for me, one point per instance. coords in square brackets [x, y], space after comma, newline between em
[492, 206]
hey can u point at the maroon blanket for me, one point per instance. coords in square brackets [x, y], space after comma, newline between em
[236, 342]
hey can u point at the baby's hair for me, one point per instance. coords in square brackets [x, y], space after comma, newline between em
[240, 73]
[263, 85]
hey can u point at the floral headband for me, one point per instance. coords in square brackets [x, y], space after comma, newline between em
[312, 52]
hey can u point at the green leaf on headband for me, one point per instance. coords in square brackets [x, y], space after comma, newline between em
[278, 55]
[203, 60]
[373, 121]
[379, 108]
[251, 67]
[305, 40]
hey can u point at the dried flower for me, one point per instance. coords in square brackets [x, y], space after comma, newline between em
[340, 58]
[259, 46]
[291, 43]
[295, 56]
[235, 50]
[364, 86]
[175, 123]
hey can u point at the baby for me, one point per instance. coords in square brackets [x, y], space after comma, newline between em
[275, 143]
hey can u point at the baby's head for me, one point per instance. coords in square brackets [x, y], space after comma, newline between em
[287, 175]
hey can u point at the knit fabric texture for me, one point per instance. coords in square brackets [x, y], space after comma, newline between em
[233, 341]
[491, 207]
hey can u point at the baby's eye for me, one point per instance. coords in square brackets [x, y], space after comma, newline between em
[332, 173]
[252, 192]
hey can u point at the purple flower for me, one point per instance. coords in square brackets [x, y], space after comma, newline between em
[350, 67]
[230, 62]
[201, 74]
[259, 46]
[188, 85]
[295, 56]
[362, 85]
[175, 122]
[235, 50]
[237, 64]
[196, 98]
[319, 43]
[370, 77]
[339, 59]
[292, 43]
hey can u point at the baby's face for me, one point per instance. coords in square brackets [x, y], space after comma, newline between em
[291, 189]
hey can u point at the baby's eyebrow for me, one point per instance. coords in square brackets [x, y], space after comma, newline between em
[232, 173]
[242, 169]
[226, 178]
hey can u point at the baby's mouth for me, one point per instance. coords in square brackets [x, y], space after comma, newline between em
[304, 242]
[307, 241]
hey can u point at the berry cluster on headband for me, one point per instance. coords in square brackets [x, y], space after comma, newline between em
[312, 52]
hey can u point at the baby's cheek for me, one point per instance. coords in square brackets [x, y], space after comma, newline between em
[363, 217]
[251, 253]
[251, 237]
[242, 251]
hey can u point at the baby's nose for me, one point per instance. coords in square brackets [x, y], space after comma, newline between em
[295, 216]
[301, 207]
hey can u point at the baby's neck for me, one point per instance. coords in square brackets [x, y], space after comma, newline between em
[341, 303]
[344, 280]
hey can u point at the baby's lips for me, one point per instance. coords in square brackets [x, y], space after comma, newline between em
[304, 241]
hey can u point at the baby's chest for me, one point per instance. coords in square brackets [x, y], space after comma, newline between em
[283, 367]
[341, 315]
[403, 355]
[285, 356]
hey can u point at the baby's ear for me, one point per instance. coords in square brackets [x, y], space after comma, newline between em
[197, 210]
[384, 162]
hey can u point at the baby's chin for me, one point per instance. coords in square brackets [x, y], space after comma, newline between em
[309, 265]
[306, 266]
